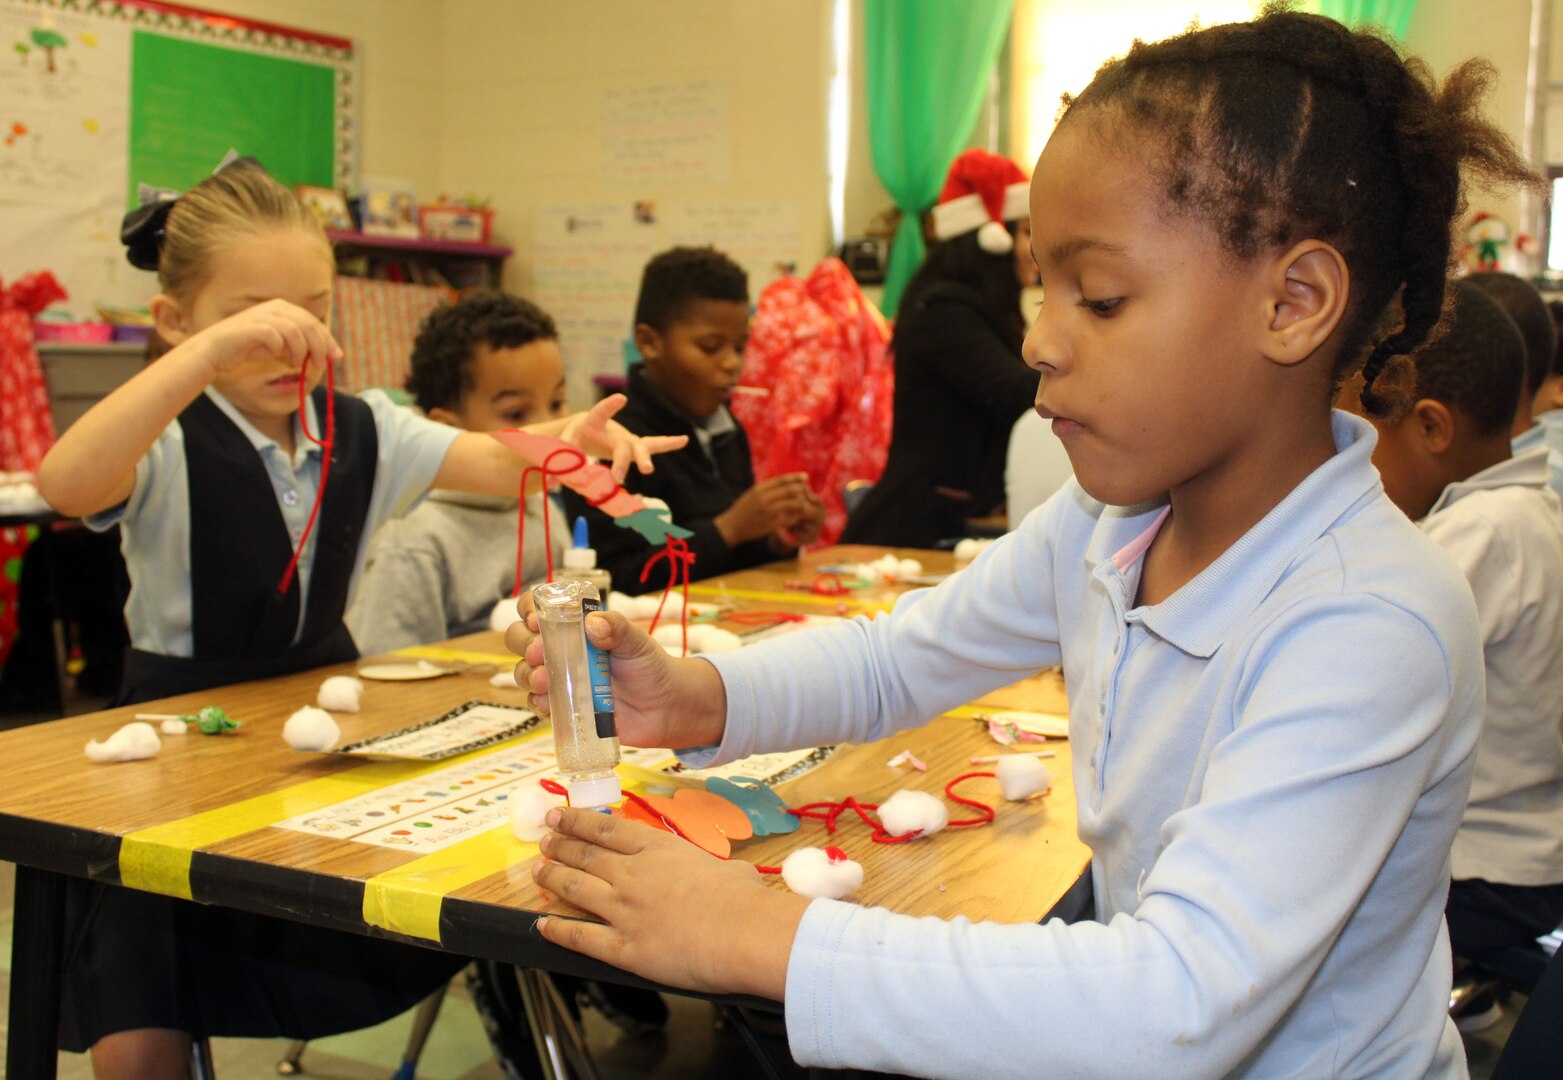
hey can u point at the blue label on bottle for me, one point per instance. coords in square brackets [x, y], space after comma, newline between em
[602, 686]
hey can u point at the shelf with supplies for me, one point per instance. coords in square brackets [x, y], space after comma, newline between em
[446, 263]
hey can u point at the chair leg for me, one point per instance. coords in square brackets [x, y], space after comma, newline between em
[292, 1063]
[422, 1024]
[201, 1067]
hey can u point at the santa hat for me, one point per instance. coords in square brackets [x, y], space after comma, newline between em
[981, 192]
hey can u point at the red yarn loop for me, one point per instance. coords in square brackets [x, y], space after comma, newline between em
[576, 459]
[327, 445]
[676, 551]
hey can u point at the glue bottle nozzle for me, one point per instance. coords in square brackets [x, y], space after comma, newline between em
[580, 538]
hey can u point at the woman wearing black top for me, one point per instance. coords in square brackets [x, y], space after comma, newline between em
[960, 383]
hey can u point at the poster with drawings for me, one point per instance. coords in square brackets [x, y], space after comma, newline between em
[63, 147]
[587, 260]
[439, 808]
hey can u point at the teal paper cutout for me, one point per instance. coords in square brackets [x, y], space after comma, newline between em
[654, 524]
[762, 806]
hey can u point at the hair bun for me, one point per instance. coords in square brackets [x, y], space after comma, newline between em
[141, 232]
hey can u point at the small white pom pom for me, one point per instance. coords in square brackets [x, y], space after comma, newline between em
[340, 693]
[907, 568]
[1022, 776]
[529, 804]
[173, 727]
[995, 239]
[507, 611]
[505, 680]
[910, 811]
[812, 872]
[704, 638]
[133, 742]
[622, 602]
[968, 549]
[671, 638]
[311, 729]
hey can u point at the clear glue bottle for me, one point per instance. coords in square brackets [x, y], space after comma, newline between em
[580, 697]
[580, 561]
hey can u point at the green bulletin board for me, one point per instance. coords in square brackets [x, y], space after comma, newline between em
[190, 102]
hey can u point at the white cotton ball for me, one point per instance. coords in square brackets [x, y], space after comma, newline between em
[910, 811]
[1022, 776]
[968, 549]
[340, 693]
[529, 804]
[907, 568]
[133, 742]
[622, 602]
[173, 727]
[671, 638]
[506, 612]
[713, 639]
[812, 872]
[505, 680]
[311, 729]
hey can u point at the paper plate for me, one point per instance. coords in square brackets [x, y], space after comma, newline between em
[403, 672]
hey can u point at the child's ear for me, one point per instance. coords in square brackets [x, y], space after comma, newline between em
[1434, 425]
[442, 415]
[169, 319]
[1307, 301]
[648, 341]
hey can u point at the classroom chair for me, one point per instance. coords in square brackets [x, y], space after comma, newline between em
[1501, 971]
[292, 1063]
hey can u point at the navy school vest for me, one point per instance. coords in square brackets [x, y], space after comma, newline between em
[242, 628]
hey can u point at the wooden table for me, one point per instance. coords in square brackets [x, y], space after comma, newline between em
[196, 820]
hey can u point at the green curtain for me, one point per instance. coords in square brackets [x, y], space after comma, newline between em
[926, 70]
[1393, 15]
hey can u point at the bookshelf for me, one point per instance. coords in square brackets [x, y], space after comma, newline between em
[419, 262]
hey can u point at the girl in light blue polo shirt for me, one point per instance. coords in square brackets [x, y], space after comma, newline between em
[243, 544]
[1275, 679]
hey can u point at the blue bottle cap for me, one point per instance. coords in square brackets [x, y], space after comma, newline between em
[580, 539]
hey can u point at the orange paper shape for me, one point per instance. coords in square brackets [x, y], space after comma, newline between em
[705, 819]
[630, 810]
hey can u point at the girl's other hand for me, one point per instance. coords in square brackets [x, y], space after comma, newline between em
[673, 913]
[596, 432]
[275, 329]
[658, 700]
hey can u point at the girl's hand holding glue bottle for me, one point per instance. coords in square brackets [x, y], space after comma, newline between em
[642, 882]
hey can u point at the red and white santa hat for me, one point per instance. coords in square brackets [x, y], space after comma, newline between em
[981, 192]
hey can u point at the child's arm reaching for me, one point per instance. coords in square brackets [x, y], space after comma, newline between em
[92, 467]
[479, 462]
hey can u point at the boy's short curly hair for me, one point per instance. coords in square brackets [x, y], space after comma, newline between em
[679, 276]
[450, 337]
[1477, 365]
[1522, 302]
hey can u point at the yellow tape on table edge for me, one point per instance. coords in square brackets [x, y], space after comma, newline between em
[158, 859]
[409, 899]
[799, 597]
[438, 652]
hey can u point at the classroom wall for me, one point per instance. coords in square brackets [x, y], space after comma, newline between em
[1446, 32]
[522, 107]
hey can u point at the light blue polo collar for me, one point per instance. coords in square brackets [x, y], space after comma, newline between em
[1199, 617]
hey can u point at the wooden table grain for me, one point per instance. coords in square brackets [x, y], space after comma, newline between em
[63, 817]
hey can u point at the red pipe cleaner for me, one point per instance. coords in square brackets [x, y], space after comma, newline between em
[679, 557]
[327, 446]
[543, 471]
